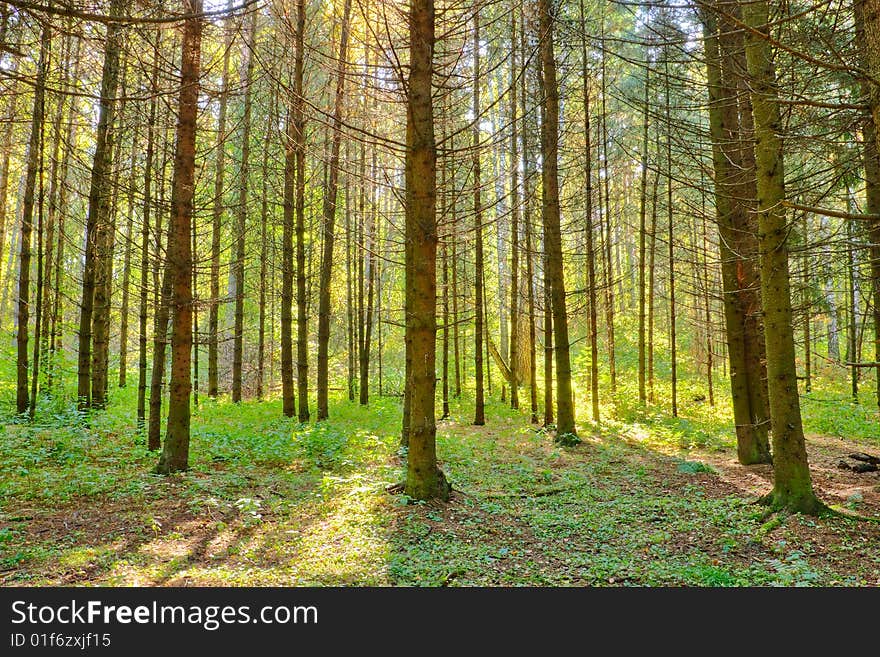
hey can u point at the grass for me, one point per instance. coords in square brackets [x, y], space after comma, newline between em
[644, 499]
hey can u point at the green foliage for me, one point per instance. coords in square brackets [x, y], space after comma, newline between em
[695, 467]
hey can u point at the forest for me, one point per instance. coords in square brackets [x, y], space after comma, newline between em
[440, 293]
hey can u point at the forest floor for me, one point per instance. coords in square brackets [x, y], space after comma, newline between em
[270, 502]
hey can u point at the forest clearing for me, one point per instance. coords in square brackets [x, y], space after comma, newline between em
[642, 502]
[440, 293]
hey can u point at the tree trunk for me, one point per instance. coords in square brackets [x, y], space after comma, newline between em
[670, 224]
[126, 271]
[565, 421]
[264, 259]
[528, 171]
[34, 162]
[145, 236]
[871, 155]
[329, 219]
[513, 357]
[792, 487]
[424, 479]
[302, 331]
[643, 203]
[217, 212]
[605, 224]
[733, 191]
[175, 452]
[99, 203]
[241, 214]
[61, 200]
[479, 401]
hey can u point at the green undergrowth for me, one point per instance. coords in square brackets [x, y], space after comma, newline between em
[269, 501]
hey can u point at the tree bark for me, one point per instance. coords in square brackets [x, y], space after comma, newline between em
[792, 488]
[145, 236]
[302, 331]
[329, 218]
[740, 278]
[479, 394]
[99, 203]
[217, 214]
[424, 479]
[175, 452]
[565, 420]
[241, 214]
[34, 160]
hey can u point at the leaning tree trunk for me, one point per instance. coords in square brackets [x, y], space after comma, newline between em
[565, 422]
[175, 452]
[792, 488]
[424, 479]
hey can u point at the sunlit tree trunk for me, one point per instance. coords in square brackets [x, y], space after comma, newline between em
[479, 401]
[329, 218]
[217, 212]
[99, 202]
[242, 213]
[792, 487]
[565, 421]
[424, 479]
[175, 452]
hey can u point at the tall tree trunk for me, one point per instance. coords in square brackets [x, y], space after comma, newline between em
[329, 218]
[61, 201]
[652, 259]
[605, 223]
[217, 212]
[528, 171]
[369, 264]
[264, 261]
[5, 157]
[806, 300]
[871, 154]
[479, 394]
[241, 214]
[643, 202]
[734, 175]
[34, 162]
[49, 268]
[588, 228]
[513, 358]
[350, 301]
[424, 479]
[565, 421]
[99, 202]
[38, 315]
[175, 452]
[670, 223]
[456, 345]
[302, 332]
[126, 269]
[145, 235]
[105, 239]
[792, 487]
[288, 392]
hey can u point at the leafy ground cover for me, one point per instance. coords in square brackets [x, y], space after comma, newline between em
[643, 500]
